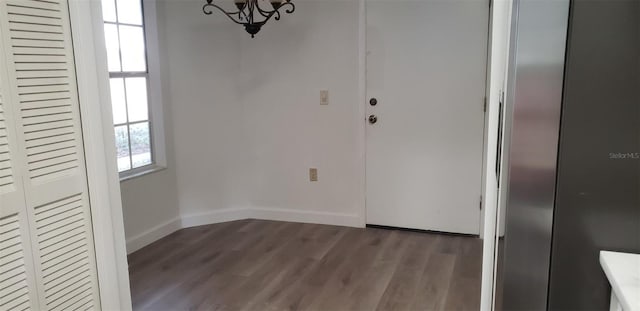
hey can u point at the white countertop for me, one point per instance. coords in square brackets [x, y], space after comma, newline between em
[623, 272]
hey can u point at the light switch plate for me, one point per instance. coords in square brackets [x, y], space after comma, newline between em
[313, 174]
[324, 97]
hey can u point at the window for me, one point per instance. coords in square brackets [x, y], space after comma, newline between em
[129, 80]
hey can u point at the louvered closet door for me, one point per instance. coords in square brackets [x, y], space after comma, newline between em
[17, 279]
[39, 60]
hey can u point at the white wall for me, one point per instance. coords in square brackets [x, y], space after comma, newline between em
[149, 206]
[247, 119]
[284, 68]
[150, 202]
[203, 58]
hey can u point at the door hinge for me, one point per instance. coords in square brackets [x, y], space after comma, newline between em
[484, 105]
[480, 202]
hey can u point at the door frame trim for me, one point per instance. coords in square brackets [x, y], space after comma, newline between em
[99, 145]
[362, 109]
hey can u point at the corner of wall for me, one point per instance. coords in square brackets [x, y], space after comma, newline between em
[149, 236]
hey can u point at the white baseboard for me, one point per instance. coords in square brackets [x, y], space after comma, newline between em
[214, 217]
[147, 237]
[231, 214]
[314, 217]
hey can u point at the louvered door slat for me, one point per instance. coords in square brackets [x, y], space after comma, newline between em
[59, 288]
[8, 225]
[43, 66]
[40, 25]
[82, 304]
[4, 157]
[52, 215]
[44, 91]
[5, 166]
[50, 140]
[52, 161]
[76, 250]
[17, 278]
[15, 7]
[18, 8]
[46, 88]
[44, 24]
[54, 208]
[55, 131]
[57, 273]
[19, 305]
[52, 102]
[22, 7]
[59, 225]
[29, 50]
[23, 43]
[11, 262]
[18, 296]
[6, 171]
[54, 57]
[12, 255]
[46, 150]
[42, 81]
[50, 136]
[36, 128]
[4, 149]
[54, 257]
[48, 5]
[6, 182]
[39, 74]
[50, 110]
[14, 280]
[38, 36]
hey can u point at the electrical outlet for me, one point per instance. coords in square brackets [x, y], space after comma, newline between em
[324, 97]
[313, 174]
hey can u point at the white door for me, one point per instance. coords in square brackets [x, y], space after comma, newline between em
[44, 205]
[426, 64]
[17, 273]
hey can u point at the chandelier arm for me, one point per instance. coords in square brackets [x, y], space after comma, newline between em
[242, 15]
[208, 11]
[264, 13]
[291, 5]
[248, 14]
[276, 12]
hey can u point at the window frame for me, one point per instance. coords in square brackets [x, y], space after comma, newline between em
[154, 97]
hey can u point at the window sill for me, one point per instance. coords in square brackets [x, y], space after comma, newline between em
[141, 172]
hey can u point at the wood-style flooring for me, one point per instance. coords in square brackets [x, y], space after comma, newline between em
[269, 265]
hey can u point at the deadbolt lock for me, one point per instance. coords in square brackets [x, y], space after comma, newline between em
[373, 102]
[373, 119]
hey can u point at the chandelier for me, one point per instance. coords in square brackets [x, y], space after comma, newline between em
[250, 14]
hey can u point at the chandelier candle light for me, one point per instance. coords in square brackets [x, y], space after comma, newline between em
[250, 14]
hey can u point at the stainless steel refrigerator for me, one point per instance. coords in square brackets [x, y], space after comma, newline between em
[573, 185]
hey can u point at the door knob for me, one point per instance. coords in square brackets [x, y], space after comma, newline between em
[373, 119]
